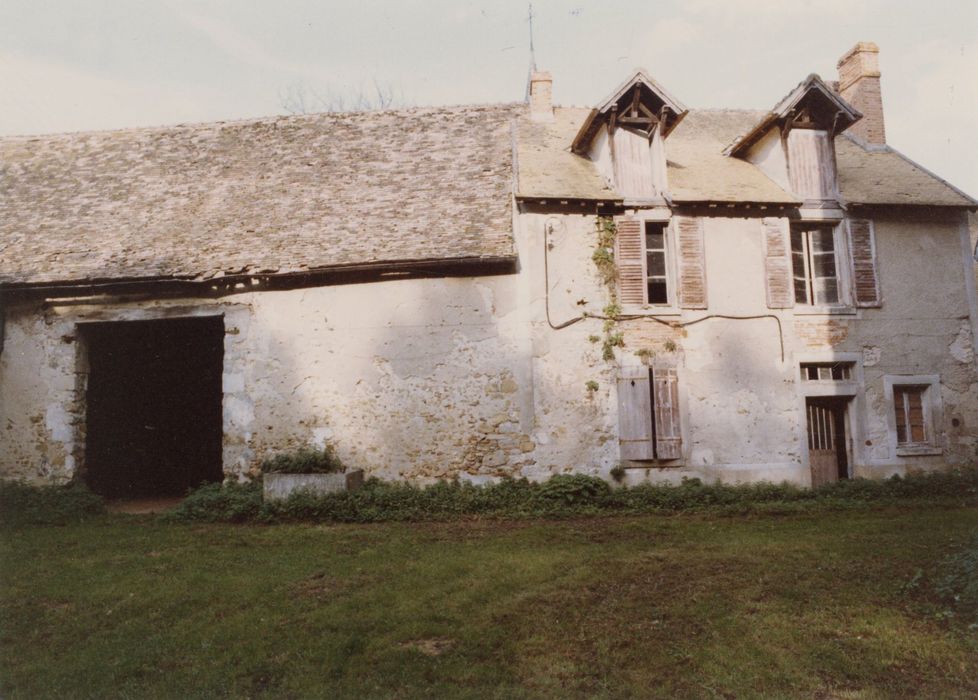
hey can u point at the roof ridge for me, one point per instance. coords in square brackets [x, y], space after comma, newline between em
[197, 125]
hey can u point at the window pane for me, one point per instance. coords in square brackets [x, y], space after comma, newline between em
[654, 240]
[657, 292]
[656, 263]
[801, 291]
[797, 245]
[823, 264]
[826, 291]
[822, 240]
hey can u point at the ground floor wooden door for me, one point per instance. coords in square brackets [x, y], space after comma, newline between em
[827, 443]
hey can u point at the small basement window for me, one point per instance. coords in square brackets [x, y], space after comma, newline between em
[831, 371]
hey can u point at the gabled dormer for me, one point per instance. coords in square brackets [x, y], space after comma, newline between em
[794, 144]
[625, 135]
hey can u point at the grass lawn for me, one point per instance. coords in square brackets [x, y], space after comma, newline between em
[830, 603]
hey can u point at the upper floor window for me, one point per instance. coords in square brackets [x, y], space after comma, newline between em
[815, 264]
[661, 264]
[656, 263]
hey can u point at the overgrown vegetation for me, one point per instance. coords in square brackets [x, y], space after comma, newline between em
[305, 461]
[560, 496]
[604, 252]
[957, 583]
[21, 504]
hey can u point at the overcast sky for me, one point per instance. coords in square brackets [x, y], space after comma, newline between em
[89, 64]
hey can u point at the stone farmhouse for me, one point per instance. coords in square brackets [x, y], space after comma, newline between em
[488, 291]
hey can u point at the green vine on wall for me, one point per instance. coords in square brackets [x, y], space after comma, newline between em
[604, 260]
[604, 253]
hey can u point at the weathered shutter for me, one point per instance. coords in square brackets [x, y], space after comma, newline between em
[777, 263]
[630, 260]
[811, 164]
[635, 413]
[691, 262]
[862, 250]
[668, 436]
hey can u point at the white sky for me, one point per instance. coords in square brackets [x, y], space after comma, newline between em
[100, 64]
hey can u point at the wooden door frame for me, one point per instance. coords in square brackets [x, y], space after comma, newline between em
[853, 390]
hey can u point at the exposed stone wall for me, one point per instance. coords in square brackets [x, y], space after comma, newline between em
[467, 378]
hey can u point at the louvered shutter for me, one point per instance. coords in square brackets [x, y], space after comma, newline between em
[635, 413]
[668, 437]
[862, 250]
[777, 263]
[691, 262]
[630, 260]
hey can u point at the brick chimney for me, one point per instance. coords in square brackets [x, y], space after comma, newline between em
[859, 85]
[541, 97]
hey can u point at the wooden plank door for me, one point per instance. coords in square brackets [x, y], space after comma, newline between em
[823, 444]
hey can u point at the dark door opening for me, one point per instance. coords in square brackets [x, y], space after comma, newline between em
[828, 447]
[153, 416]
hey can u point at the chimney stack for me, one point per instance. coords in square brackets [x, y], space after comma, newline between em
[859, 85]
[541, 97]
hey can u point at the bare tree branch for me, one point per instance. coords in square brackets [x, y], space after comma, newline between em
[296, 98]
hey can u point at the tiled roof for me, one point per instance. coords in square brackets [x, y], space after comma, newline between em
[291, 194]
[281, 194]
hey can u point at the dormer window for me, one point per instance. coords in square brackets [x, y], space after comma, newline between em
[806, 123]
[625, 134]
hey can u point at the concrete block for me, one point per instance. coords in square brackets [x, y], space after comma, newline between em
[278, 487]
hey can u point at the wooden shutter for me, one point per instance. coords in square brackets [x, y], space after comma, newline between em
[862, 250]
[777, 263]
[668, 437]
[630, 260]
[811, 164]
[635, 413]
[633, 165]
[691, 262]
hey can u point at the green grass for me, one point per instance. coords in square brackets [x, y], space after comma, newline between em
[830, 603]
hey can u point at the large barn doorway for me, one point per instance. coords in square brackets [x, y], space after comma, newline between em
[153, 415]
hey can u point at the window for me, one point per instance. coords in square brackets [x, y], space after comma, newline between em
[657, 278]
[648, 414]
[833, 371]
[814, 264]
[916, 412]
[661, 264]
[911, 423]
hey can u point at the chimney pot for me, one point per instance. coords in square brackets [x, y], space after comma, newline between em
[541, 97]
[859, 85]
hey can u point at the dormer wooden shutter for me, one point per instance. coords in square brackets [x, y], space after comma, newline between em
[635, 413]
[777, 263]
[668, 438]
[811, 164]
[630, 260]
[691, 262]
[862, 250]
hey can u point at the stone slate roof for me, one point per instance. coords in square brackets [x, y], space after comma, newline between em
[698, 171]
[327, 191]
[281, 194]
